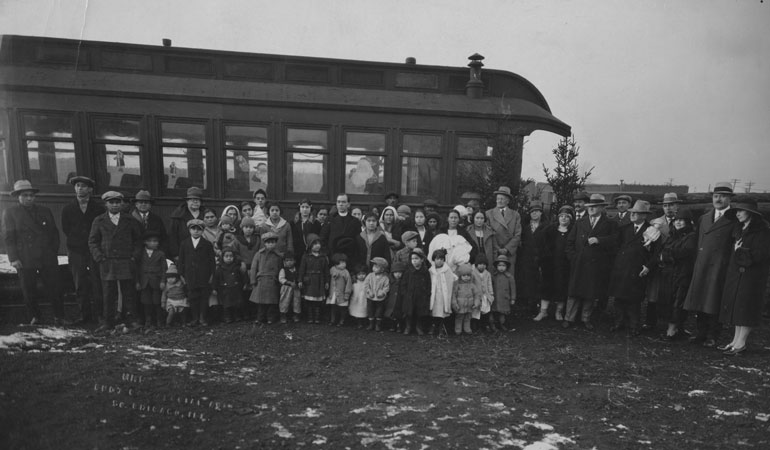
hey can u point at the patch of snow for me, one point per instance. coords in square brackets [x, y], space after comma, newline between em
[719, 412]
[391, 441]
[39, 338]
[539, 426]
[549, 442]
[281, 431]
[620, 426]
[157, 349]
[697, 393]
[309, 412]
[762, 417]
[529, 415]
[289, 336]
[319, 440]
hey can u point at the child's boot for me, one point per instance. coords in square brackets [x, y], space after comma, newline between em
[559, 311]
[378, 325]
[283, 318]
[342, 313]
[332, 315]
[407, 325]
[543, 310]
[371, 324]
[317, 315]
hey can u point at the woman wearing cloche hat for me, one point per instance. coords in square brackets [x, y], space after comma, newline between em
[747, 272]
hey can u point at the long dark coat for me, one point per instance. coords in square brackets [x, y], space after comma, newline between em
[340, 235]
[591, 264]
[154, 224]
[487, 246]
[414, 291]
[747, 272]
[679, 253]
[714, 249]
[314, 274]
[631, 257]
[116, 248]
[179, 232]
[197, 264]
[554, 266]
[31, 236]
[76, 224]
[528, 262]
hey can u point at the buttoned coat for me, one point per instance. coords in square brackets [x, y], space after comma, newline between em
[115, 247]
[632, 256]
[591, 264]
[197, 264]
[747, 272]
[178, 231]
[154, 224]
[76, 224]
[31, 236]
[507, 230]
[151, 269]
[713, 255]
[339, 235]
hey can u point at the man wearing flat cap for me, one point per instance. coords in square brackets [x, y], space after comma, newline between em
[76, 219]
[32, 243]
[714, 248]
[150, 222]
[506, 224]
[190, 209]
[115, 242]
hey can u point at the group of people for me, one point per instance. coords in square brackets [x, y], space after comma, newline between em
[392, 267]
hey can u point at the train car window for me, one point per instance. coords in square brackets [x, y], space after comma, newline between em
[420, 176]
[50, 148]
[184, 155]
[307, 160]
[364, 163]
[118, 150]
[246, 151]
[469, 171]
[3, 154]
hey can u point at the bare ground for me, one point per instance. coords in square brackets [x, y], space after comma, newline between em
[314, 386]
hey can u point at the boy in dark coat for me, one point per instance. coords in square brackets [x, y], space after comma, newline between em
[635, 258]
[116, 244]
[150, 284]
[415, 293]
[197, 262]
[229, 282]
[32, 243]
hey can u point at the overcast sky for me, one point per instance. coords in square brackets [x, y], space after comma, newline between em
[653, 90]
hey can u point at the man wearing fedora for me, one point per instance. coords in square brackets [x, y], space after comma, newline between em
[190, 209]
[659, 282]
[32, 243]
[579, 203]
[506, 224]
[713, 255]
[115, 242]
[149, 221]
[635, 259]
[76, 219]
[591, 247]
[622, 203]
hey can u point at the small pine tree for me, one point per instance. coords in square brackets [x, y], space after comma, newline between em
[566, 180]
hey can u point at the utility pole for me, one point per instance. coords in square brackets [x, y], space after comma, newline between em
[670, 181]
[748, 186]
[735, 181]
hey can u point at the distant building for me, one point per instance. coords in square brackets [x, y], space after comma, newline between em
[543, 192]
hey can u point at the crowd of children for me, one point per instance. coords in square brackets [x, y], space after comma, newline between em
[245, 277]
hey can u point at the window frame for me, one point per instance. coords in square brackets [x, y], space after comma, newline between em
[207, 145]
[142, 143]
[440, 156]
[23, 158]
[457, 159]
[386, 153]
[222, 156]
[330, 162]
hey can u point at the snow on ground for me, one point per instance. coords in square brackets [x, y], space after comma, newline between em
[40, 339]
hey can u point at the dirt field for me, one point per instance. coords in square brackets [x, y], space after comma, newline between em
[314, 386]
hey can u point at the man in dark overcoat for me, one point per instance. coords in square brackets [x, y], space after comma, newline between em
[622, 203]
[590, 247]
[190, 209]
[340, 235]
[635, 259]
[115, 242]
[150, 222]
[506, 224]
[714, 248]
[76, 219]
[32, 243]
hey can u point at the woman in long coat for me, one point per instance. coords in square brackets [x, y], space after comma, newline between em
[678, 253]
[528, 262]
[747, 273]
[554, 263]
[483, 237]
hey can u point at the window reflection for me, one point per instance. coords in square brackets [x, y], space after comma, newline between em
[51, 162]
[306, 172]
[117, 130]
[422, 144]
[306, 139]
[122, 164]
[471, 175]
[474, 146]
[190, 133]
[246, 166]
[184, 155]
[364, 174]
[420, 176]
[364, 142]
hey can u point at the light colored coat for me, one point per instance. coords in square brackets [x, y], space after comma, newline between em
[507, 231]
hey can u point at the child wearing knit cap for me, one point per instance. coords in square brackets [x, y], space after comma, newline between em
[376, 285]
[466, 298]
